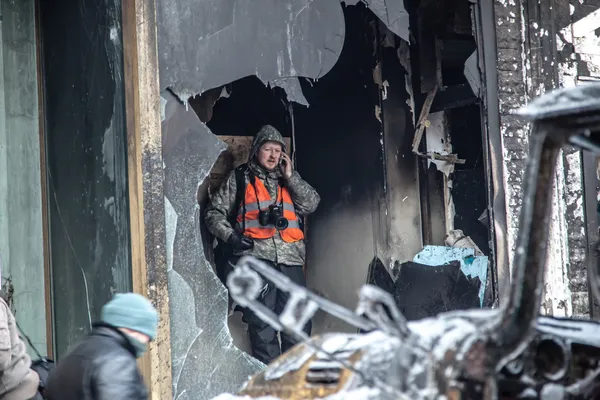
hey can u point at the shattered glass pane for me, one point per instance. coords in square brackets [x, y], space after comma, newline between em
[292, 89]
[205, 360]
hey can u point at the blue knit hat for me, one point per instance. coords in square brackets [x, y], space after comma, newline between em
[131, 311]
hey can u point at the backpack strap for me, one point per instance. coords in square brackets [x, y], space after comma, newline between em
[223, 252]
[240, 191]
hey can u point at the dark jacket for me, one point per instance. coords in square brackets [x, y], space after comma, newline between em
[101, 367]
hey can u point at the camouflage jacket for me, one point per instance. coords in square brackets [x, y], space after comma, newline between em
[221, 203]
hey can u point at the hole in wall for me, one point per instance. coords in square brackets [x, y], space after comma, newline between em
[338, 149]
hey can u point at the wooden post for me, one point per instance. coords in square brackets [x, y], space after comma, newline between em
[145, 179]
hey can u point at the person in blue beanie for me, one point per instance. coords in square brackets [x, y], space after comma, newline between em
[103, 366]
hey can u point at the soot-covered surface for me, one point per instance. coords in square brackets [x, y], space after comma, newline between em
[205, 44]
[87, 164]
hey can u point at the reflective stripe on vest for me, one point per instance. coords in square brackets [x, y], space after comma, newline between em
[252, 227]
[255, 224]
[264, 205]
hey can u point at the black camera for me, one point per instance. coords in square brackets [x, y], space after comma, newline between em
[273, 216]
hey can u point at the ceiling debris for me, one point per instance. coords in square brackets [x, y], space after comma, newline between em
[441, 159]
[207, 44]
[391, 12]
[457, 238]
[423, 121]
[439, 147]
[473, 74]
[383, 85]
[292, 89]
[404, 58]
[377, 74]
[484, 218]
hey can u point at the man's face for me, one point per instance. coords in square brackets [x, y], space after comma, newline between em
[268, 155]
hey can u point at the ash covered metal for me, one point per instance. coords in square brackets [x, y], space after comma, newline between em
[508, 352]
[538, 49]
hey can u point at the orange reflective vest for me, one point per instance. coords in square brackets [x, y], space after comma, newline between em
[257, 198]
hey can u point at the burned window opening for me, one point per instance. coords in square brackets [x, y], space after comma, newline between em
[353, 144]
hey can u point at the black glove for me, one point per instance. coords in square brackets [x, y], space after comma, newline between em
[239, 242]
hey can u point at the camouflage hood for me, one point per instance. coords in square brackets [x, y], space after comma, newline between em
[266, 134]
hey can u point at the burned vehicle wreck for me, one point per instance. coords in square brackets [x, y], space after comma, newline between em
[506, 353]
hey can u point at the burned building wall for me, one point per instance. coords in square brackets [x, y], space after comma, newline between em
[349, 144]
[86, 161]
[543, 45]
[204, 45]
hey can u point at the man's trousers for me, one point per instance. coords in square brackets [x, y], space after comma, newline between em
[263, 338]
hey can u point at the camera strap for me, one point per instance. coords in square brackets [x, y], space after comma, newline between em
[279, 194]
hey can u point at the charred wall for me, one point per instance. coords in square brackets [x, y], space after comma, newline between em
[205, 45]
[541, 46]
[86, 161]
[340, 153]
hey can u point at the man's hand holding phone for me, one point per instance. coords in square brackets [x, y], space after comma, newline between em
[285, 163]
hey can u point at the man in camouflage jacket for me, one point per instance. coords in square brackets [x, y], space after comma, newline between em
[264, 163]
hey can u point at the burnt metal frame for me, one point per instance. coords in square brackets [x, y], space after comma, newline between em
[562, 117]
[524, 298]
